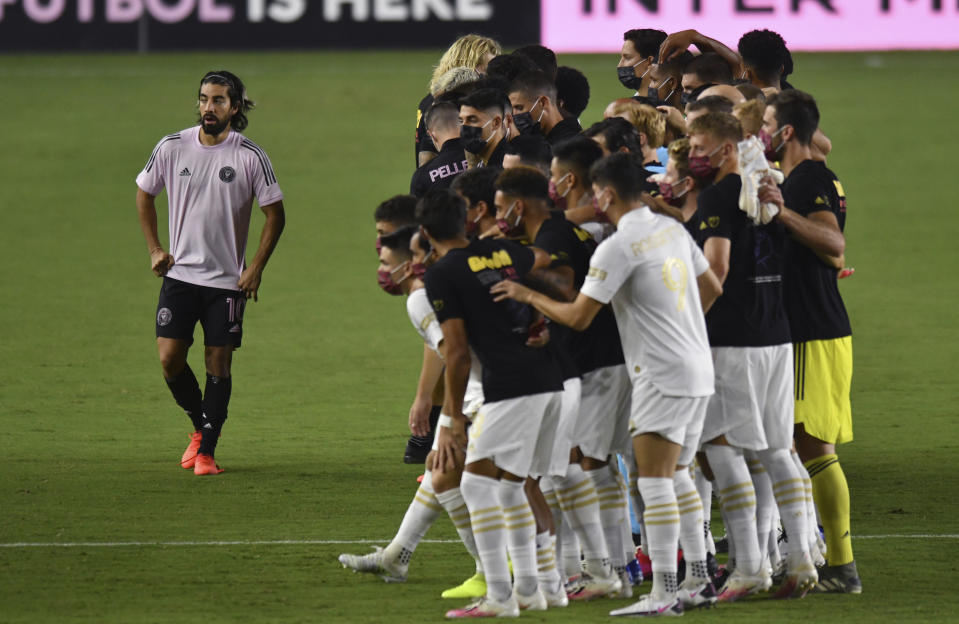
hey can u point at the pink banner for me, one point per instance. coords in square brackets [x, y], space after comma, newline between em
[812, 25]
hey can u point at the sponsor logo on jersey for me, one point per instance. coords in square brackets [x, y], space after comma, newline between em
[596, 274]
[164, 316]
[498, 260]
[185, 172]
[228, 174]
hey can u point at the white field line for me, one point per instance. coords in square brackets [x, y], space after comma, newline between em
[329, 542]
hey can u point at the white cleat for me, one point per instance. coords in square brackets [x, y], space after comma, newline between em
[557, 599]
[376, 563]
[649, 606]
[487, 607]
[534, 602]
[589, 587]
[740, 585]
[697, 595]
[801, 577]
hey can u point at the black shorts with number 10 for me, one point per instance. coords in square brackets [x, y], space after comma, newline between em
[219, 311]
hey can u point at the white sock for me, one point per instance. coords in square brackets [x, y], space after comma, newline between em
[520, 535]
[452, 501]
[705, 489]
[765, 503]
[423, 511]
[738, 500]
[790, 495]
[691, 525]
[572, 555]
[489, 530]
[549, 493]
[662, 526]
[546, 570]
[577, 497]
[812, 523]
[612, 505]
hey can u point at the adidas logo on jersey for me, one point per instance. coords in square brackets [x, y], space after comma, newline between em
[185, 172]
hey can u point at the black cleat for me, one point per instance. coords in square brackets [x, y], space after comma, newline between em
[841, 579]
[722, 545]
[417, 448]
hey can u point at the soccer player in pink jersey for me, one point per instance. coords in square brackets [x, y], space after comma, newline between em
[211, 173]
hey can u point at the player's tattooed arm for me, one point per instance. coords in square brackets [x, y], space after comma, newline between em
[160, 260]
[275, 222]
[557, 283]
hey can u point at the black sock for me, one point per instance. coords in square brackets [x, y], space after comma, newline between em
[216, 399]
[186, 393]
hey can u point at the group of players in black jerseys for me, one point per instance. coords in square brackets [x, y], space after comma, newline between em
[620, 323]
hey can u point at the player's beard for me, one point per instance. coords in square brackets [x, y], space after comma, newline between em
[214, 129]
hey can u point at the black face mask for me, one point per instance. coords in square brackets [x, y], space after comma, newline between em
[524, 121]
[694, 94]
[628, 78]
[653, 94]
[472, 138]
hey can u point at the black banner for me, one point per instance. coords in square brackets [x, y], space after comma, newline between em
[27, 25]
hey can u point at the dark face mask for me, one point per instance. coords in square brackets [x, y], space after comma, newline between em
[472, 138]
[629, 79]
[693, 95]
[653, 93]
[524, 121]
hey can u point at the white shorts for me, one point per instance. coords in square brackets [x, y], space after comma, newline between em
[678, 419]
[753, 404]
[559, 458]
[602, 426]
[516, 434]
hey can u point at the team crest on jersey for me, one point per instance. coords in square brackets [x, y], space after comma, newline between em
[227, 174]
[438, 305]
[164, 316]
[713, 222]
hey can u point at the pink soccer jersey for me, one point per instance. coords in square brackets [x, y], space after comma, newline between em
[210, 193]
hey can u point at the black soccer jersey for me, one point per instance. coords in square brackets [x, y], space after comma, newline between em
[599, 345]
[458, 286]
[813, 303]
[563, 131]
[439, 172]
[750, 312]
[496, 158]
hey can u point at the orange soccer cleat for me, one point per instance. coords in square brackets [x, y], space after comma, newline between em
[189, 455]
[205, 465]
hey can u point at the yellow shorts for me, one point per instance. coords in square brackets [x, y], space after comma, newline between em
[823, 374]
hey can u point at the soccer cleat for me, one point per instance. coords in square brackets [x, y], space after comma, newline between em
[376, 563]
[739, 585]
[417, 448]
[649, 606]
[589, 587]
[557, 599]
[189, 455]
[712, 565]
[535, 602]
[800, 577]
[841, 579]
[487, 607]
[473, 587]
[697, 595]
[645, 563]
[205, 465]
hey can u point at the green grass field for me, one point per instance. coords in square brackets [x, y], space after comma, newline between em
[323, 382]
